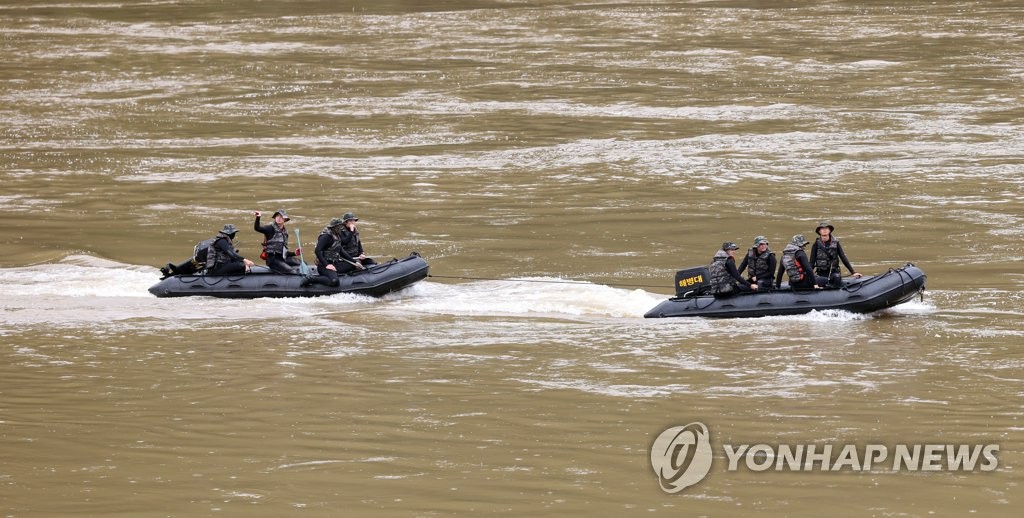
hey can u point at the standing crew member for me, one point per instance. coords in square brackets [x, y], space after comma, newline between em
[221, 256]
[796, 266]
[761, 261]
[275, 243]
[826, 254]
[725, 278]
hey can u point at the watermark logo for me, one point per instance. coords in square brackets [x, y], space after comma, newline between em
[850, 457]
[681, 456]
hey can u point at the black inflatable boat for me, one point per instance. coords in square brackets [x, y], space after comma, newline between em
[863, 295]
[376, 281]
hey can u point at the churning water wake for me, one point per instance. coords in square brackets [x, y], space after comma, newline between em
[86, 288]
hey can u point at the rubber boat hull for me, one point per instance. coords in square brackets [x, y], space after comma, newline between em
[375, 281]
[863, 295]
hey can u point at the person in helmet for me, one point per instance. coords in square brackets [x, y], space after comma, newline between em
[275, 243]
[826, 254]
[221, 256]
[725, 279]
[352, 251]
[761, 263]
[796, 266]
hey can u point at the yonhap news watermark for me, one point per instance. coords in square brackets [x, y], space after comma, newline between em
[682, 456]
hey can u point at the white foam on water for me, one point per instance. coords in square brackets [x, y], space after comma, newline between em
[22, 202]
[828, 315]
[78, 276]
[873, 64]
[911, 307]
[608, 389]
[87, 288]
[536, 296]
[552, 297]
[83, 288]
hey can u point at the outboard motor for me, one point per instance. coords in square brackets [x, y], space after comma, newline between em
[693, 282]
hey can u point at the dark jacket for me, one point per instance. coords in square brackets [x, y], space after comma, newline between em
[275, 240]
[350, 243]
[826, 259]
[765, 266]
[805, 265]
[223, 253]
[227, 247]
[324, 243]
[723, 273]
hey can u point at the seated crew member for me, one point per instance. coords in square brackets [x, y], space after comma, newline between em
[826, 254]
[275, 243]
[795, 265]
[329, 255]
[352, 251]
[725, 279]
[761, 261]
[221, 256]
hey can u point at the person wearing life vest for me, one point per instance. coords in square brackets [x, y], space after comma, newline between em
[221, 256]
[329, 254]
[352, 251]
[760, 264]
[725, 279]
[796, 266]
[275, 243]
[826, 254]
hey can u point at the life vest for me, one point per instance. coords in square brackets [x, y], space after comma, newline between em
[214, 256]
[826, 257]
[792, 266]
[757, 265]
[721, 281]
[278, 243]
[350, 242]
[332, 253]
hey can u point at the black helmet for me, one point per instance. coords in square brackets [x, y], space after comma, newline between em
[229, 230]
[824, 224]
[348, 216]
[281, 213]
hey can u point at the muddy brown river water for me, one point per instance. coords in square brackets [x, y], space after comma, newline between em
[509, 142]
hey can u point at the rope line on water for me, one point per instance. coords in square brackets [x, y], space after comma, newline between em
[465, 278]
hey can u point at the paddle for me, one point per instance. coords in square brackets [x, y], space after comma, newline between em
[358, 266]
[303, 268]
